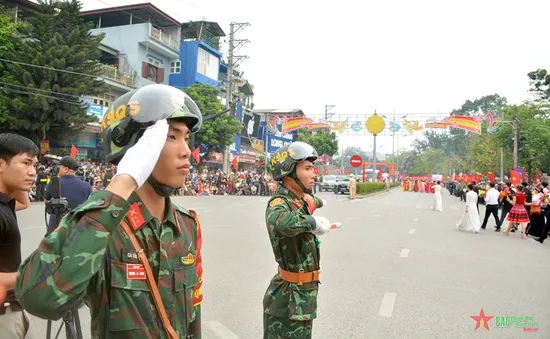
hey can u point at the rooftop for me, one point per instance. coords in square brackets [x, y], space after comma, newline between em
[292, 112]
[144, 12]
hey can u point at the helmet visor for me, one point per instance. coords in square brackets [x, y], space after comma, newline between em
[301, 151]
[159, 101]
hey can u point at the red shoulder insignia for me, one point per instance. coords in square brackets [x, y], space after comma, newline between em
[135, 217]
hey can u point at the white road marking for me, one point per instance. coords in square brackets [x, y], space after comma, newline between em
[353, 218]
[412, 231]
[375, 215]
[415, 219]
[404, 253]
[220, 330]
[388, 302]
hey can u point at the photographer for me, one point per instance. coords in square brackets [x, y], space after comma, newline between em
[72, 188]
[18, 155]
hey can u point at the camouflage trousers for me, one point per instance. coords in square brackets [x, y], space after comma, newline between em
[284, 328]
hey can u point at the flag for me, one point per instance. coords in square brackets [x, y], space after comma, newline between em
[478, 177]
[74, 151]
[491, 176]
[515, 177]
[234, 163]
[196, 155]
[260, 164]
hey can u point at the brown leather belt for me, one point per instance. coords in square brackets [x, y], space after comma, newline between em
[299, 277]
[14, 305]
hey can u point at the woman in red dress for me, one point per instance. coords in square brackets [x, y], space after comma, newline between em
[518, 213]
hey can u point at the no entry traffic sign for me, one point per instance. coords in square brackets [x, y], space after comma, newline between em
[355, 161]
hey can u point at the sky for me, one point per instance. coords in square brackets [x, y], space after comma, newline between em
[423, 57]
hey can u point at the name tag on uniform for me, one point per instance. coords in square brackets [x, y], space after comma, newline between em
[135, 272]
[130, 257]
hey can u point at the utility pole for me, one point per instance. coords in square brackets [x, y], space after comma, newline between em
[393, 139]
[233, 61]
[516, 137]
[327, 111]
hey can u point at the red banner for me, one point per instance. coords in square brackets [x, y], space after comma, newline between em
[491, 176]
[515, 177]
[478, 177]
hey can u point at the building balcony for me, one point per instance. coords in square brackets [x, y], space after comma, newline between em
[112, 73]
[166, 39]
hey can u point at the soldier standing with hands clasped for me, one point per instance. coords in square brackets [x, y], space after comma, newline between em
[290, 302]
[128, 251]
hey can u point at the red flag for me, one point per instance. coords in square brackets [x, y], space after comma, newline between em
[470, 179]
[260, 164]
[196, 155]
[348, 172]
[234, 163]
[74, 151]
[491, 176]
[478, 177]
[515, 177]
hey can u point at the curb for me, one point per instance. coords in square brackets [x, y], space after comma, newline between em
[363, 196]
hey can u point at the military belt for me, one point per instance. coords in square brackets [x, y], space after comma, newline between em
[299, 277]
[14, 305]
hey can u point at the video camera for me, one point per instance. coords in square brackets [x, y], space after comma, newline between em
[57, 206]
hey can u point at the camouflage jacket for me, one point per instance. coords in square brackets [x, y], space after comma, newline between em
[290, 225]
[89, 257]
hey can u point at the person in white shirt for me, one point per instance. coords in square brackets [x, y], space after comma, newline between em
[491, 204]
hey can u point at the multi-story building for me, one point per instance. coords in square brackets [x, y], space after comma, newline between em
[200, 55]
[21, 8]
[147, 38]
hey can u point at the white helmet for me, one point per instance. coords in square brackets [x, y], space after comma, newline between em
[352, 175]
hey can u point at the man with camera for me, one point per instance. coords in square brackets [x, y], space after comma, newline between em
[74, 190]
[18, 156]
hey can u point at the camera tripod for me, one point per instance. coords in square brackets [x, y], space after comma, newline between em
[71, 320]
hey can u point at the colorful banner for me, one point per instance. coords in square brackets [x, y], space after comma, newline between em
[356, 125]
[285, 125]
[468, 123]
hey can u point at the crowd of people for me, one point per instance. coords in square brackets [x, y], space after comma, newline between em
[206, 181]
[523, 207]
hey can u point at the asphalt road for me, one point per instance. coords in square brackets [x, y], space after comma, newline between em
[395, 269]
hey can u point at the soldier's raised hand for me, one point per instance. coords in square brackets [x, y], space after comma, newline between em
[140, 159]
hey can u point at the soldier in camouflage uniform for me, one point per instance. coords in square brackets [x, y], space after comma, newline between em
[290, 302]
[90, 257]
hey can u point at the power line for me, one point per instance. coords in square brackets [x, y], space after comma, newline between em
[39, 90]
[40, 95]
[50, 68]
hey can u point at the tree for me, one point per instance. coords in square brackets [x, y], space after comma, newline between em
[540, 83]
[217, 133]
[8, 44]
[42, 102]
[323, 140]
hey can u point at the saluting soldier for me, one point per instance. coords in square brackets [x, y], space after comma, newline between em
[290, 302]
[129, 251]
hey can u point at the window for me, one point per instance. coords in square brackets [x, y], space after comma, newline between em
[208, 64]
[152, 72]
[104, 100]
[175, 67]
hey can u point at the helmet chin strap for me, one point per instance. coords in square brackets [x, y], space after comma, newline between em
[162, 190]
[299, 182]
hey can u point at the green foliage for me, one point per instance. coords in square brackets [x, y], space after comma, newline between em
[540, 83]
[457, 150]
[42, 102]
[371, 187]
[323, 140]
[216, 133]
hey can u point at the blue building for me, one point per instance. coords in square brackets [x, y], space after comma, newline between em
[148, 40]
[200, 55]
